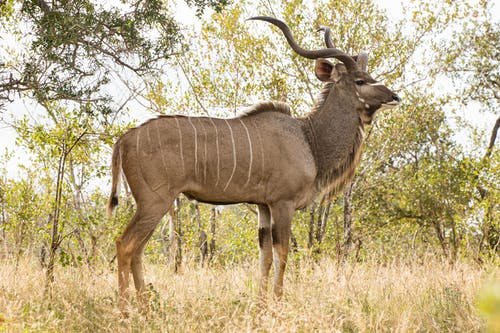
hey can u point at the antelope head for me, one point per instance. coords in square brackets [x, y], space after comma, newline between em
[367, 95]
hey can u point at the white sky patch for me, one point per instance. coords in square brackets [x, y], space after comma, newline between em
[183, 13]
[393, 9]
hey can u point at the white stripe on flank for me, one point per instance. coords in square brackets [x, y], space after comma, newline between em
[195, 148]
[152, 187]
[217, 147]
[234, 154]
[159, 145]
[137, 144]
[204, 152]
[251, 152]
[261, 152]
[149, 138]
[180, 144]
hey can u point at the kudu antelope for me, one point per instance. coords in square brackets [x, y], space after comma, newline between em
[264, 156]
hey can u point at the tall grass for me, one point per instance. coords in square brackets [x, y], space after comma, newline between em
[323, 297]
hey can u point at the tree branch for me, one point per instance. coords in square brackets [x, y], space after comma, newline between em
[196, 97]
[43, 6]
[493, 138]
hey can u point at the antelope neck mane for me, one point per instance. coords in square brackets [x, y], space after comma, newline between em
[266, 107]
[335, 135]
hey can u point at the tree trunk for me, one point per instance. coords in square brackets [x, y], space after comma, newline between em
[295, 246]
[56, 230]
[454, 241]
[164, 236]
[213, 221]
[489, 229]
[55, 236]
[322, 221]
[20, 240]
[347, 221]
[310, 233]
[441, 238]
[338, 244]
[202, 235]
[79, 206]
[175, 236]
[203, 244]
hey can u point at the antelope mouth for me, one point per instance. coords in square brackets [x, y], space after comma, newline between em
[389, 105]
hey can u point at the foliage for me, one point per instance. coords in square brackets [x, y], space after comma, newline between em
[23, 212]
[73, 49]
[489, 305]
[472, 60]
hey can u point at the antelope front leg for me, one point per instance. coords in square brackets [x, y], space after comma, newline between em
[266, 250]
[281, 229]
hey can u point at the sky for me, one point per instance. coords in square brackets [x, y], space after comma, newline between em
[186, 15]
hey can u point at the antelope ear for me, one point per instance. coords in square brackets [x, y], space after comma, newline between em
[323, 69]
[362, 61]
[337, 72]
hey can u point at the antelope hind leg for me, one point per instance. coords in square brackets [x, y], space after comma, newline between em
[138, 274]
[124, 259]
[130, 246]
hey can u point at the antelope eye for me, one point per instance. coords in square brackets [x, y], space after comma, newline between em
[359, 82]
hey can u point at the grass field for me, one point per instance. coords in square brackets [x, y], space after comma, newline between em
[321, 297]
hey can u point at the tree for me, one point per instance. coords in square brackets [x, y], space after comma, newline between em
[73, 49]
[473, 63]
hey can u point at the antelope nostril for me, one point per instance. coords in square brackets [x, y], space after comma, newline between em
[396, 98]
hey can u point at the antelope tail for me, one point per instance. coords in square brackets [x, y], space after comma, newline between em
[116, 166]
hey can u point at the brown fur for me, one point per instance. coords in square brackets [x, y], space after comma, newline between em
[265, 156]
[268, 106]
[335, 164]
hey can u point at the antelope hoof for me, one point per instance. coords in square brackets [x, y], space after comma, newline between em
[149, 299]
[123, 307]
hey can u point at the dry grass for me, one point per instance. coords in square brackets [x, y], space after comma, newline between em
[322, 297]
